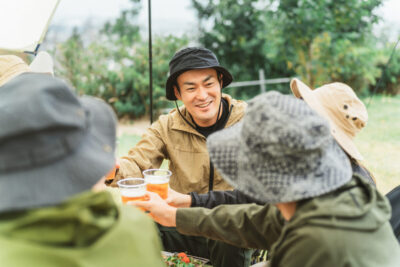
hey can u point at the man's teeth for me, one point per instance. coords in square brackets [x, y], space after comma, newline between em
[204, 105]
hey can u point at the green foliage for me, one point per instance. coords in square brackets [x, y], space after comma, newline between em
[318, 40]
[326, 40]
[115, 66]
[124, 27]
[379, 142]
[390, 82]
[239, 38]
[340, 60]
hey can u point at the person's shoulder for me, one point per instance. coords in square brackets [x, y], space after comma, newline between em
[165, 121]
[239, 105]
[237, 108]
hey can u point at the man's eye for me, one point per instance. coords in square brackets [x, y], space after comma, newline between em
[190, 89]
[209, 84]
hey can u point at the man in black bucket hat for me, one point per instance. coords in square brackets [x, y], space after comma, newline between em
[197, 79]
[48, 215]
[192, 58]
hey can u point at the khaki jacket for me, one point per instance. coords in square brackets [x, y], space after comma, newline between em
[171, 138]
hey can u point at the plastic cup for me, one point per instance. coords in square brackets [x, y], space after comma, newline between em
[132, 189]
[157, 181]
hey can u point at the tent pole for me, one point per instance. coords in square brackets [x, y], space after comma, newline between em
[150, 66]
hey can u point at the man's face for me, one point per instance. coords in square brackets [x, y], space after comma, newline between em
[200, 92]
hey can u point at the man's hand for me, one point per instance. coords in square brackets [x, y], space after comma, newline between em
[160, 211]
[100, 185]
[178, 200]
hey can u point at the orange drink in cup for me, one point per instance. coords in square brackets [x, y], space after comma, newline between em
[157, 181]
[132, 189]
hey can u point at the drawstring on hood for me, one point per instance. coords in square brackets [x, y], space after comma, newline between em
[211, 176]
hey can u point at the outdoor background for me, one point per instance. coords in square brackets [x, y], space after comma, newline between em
[101, 49]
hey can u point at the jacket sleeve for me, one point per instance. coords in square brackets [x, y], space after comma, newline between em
[247, 225]
[215, 198]
[148, 153]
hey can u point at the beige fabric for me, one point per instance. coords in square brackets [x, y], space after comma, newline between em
[338, 103]
[172, 138]
[11, 66]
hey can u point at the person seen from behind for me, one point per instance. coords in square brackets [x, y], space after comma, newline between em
[48, 214]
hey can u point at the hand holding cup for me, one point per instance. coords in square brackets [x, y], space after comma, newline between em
[159, 209]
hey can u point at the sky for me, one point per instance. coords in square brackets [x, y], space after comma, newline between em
[168, 16]
[174, 16]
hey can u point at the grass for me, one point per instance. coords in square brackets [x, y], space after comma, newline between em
[126, 142]
[378, 142]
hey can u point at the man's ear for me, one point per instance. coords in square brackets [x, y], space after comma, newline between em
[221, 81]
[177, 93]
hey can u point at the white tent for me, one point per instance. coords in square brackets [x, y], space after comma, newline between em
[24, 23]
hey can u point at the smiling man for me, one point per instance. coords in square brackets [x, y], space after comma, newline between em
[197, 79]
[201, 94]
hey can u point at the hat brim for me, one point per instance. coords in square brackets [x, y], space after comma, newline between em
[301, 90]
[169, 88]
[77, 172]
[14, 72]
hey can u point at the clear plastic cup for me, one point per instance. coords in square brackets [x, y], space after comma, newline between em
[157, 181]
[132, 189]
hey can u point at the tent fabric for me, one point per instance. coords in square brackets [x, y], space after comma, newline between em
[24, 23]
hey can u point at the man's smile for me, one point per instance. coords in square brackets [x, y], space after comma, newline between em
[204, 105]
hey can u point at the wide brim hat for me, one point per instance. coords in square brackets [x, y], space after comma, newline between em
[338, 103]
[281, 151]
[52, 144]
[11, 66]
[193, 58]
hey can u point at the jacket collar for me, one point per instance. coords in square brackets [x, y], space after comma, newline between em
[237, 108]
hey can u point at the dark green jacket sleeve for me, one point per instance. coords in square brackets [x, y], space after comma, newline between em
[246, 225]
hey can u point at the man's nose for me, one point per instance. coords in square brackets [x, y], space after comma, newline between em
[202, 93]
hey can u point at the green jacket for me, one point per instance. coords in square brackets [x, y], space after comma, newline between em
[347, 227]
[171, 138]
[87, 230]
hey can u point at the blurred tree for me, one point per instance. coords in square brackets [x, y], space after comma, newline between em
[325, 40]
[390, 82]
[125, 27]
[319, 40]
[115, 67]
[236, 31]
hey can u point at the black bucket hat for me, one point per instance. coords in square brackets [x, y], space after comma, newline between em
[191, 58]
[52, 143]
